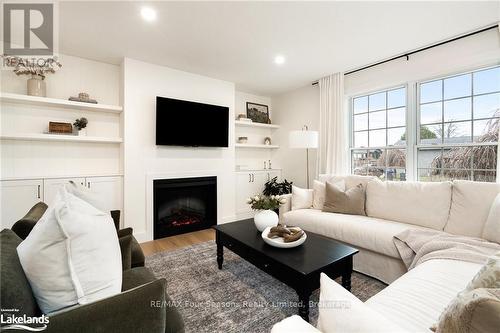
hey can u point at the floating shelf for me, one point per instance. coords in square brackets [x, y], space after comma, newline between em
[248, 145]
[257, 170]
[251, 124]
[60, 103]
[63, 176]
[59, 137]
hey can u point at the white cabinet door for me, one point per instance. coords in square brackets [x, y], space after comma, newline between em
[258, 181]
[52, 186]
[108, 189]
[17, 197]
[244, 190]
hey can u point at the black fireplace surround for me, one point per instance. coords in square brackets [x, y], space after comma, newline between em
[184, 205]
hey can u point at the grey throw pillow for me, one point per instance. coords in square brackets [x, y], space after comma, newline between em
[351, 201]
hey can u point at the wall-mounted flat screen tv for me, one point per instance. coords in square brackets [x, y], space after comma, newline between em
[185, 123]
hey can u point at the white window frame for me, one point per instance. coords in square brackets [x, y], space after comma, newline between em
[443, 145]
[413, 123]
[351, 124]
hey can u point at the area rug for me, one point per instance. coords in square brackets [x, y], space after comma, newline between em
[238, 298]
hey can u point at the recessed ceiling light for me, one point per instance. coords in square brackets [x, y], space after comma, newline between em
[279, 60]
[148, 14]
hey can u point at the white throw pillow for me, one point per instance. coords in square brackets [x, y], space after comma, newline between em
[293, 324]
[87, 195]
[341, 311]
[72, 255]
[491, 229]
[319, 189]
[302, 198]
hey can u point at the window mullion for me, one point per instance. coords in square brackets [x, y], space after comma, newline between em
[411, 131]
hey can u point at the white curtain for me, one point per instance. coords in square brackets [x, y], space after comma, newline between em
[333, 128]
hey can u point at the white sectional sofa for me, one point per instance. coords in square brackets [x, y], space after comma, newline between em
[414, 299]
[459, 207]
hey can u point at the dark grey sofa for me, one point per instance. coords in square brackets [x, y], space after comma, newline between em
[142, 306]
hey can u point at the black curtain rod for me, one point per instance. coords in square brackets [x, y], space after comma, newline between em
[408, 54]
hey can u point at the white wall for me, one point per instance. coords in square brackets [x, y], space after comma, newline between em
[101, 81]
[292, 111]
[32, 159]
[241, 102]
[462, 55]
[143, 160]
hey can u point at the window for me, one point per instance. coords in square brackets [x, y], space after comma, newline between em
[379, 134]
[458, 122]
[454, 134]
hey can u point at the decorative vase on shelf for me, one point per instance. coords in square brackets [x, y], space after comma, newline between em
[265, 218]
[36, 86]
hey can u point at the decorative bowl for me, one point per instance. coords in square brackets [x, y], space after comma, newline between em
[280, 242]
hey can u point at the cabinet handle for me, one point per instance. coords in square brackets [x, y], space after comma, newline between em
[253, 178]
[38, 191]
[89, 184]
[249, 178]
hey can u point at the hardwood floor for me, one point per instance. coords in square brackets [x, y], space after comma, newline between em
[177, 242]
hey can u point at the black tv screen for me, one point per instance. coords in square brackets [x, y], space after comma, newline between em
[184, 123]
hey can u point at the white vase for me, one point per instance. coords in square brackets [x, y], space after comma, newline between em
[36, 86]
[265, 218]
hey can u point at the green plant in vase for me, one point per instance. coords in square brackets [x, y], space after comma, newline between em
[265, 206]
[80, 124]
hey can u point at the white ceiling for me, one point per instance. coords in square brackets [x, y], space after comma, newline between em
[237, 41]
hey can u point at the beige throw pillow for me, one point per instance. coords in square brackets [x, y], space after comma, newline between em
[477, 307]
[488, 276]
[475, 311]
[320, 192]
[351, 201]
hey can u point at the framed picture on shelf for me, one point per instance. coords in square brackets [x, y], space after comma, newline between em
[259, 113]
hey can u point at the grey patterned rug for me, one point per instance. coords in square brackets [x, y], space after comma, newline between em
[238, 298]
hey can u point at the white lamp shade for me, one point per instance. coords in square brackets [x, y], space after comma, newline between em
[303, 139]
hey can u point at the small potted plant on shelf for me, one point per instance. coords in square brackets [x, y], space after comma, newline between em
[265, 206]
[38, 68]
[80, 124]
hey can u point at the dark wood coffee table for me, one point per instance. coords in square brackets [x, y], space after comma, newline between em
[298, 267]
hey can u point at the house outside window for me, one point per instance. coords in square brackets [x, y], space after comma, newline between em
[453, 134]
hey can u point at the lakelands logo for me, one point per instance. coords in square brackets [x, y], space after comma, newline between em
[28, 29]
[9, 320]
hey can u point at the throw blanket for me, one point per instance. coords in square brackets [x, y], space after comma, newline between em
[416, 246]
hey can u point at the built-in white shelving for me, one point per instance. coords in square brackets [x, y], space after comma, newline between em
[249, 145]
[60, 103]
[257, 170]
[252, 124]
[59, 137]
[63, 176]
